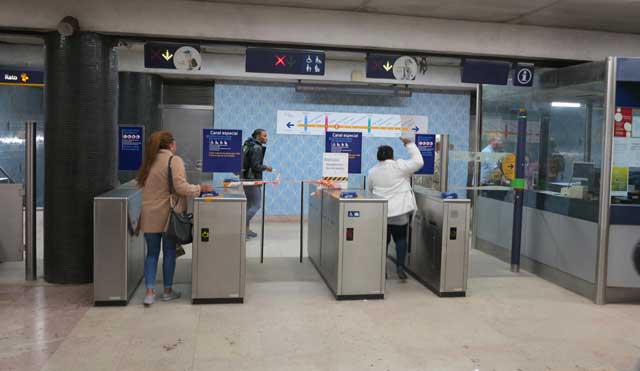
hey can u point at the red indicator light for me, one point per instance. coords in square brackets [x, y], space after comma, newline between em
[280, 61]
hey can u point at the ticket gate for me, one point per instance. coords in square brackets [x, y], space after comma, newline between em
[350, 253]
[219, 257]
[439, 249]
[118, 248]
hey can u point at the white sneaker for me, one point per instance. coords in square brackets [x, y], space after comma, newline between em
[148, 300]
[171, 295]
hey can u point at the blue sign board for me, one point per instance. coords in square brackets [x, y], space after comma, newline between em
[523, 75]
[161, 55]
[21, 78]
[221, 150]
[293, 62]
[427, 145]
[343, 142]
[130, 147]
[380, 66]
[476, 71]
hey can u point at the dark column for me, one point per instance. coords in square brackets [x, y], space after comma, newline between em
[138, 99]
[80, 151]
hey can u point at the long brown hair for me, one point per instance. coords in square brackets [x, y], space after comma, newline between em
[157, 141]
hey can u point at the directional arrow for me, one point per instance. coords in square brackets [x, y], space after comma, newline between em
[416, 129]
[387, 66]
[167, 56]
[290, 125]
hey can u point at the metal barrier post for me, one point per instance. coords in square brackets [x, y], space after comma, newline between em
[30, 187]
[518, 185]
[301, 217]
[264, 192]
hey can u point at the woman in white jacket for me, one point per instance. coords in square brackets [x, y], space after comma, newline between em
[391, 179]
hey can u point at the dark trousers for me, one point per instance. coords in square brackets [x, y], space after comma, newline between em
[399, 235]
[254, 201]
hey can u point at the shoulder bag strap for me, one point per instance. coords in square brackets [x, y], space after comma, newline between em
[170, 180]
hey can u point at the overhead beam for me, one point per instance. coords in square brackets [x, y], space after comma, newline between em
[320, 28]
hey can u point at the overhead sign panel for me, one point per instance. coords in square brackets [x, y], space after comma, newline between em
[172, 56]
[476, 71]
[21, 78]
[292, 62]
[390, 66]
[523, 75]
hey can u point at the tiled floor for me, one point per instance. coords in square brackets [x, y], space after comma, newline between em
[290, 321]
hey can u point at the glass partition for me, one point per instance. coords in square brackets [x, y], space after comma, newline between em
[565, 117]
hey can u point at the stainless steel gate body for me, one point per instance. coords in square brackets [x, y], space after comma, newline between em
[219, 257]
[118, 248]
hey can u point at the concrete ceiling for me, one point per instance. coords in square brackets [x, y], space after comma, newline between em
[603, 15]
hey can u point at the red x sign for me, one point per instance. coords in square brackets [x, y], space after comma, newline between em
[280, 61]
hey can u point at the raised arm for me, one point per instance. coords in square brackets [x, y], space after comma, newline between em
[415, 161]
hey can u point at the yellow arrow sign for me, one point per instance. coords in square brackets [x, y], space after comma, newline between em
[509, 166]
[387, 66]
[167, 55]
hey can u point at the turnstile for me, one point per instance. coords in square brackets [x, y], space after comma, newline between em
[118, 248]
[350, 251]
[218, 266]
[439, 249]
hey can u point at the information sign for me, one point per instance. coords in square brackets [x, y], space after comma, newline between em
[221, 150]
[350, 143]
[130, 147]
[427, 145]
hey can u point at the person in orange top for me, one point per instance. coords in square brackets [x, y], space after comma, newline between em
[153, 178]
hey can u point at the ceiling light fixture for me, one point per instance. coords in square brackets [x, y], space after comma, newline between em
[566, 104]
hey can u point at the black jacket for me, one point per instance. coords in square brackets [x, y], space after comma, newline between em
[252, 163]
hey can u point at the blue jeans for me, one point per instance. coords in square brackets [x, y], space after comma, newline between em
[254, 199]
[151, 262]
[399, 234]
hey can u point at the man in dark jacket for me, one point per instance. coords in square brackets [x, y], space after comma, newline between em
[252, 168]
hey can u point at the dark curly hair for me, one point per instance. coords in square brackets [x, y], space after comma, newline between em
[385, 153]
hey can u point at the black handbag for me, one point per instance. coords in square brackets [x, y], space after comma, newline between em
[180, 228]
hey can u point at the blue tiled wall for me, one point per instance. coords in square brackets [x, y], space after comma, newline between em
[248, 106]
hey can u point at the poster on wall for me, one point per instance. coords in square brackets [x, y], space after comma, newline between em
[371, 125]
[130, 147]
[626, 152]
[335, 168]
[221, 150]
[427, 145]
[623, 122]
[350, 143]
[619, 181]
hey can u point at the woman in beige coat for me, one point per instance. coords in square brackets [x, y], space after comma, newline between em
[153, 178]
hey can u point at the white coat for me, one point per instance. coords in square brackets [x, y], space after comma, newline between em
[391, 179]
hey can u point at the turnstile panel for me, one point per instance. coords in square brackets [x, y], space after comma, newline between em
[218, 253]
[362, 256]
[118, 247]
[454, 232]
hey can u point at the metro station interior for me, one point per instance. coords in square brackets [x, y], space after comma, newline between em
[512, 123]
